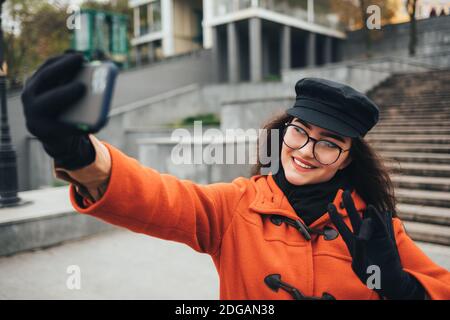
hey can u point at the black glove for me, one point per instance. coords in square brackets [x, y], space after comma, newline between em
[49, 92]
[373, 243]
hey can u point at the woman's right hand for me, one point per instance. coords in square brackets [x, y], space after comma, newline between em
[92, 181]
[47, 94]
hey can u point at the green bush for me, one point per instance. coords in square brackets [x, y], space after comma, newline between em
[59, 183]
[208, 119]
[272, 78]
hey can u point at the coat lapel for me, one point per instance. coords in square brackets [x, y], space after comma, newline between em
[270, 199]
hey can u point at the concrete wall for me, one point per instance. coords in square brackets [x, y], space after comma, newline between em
[19, 135]
[183, 102]
[40, 168]
[134, 135]
[172, 73]
[252, 114]
[433, 41]
[47, 219]
[360, 79]
[362, 74]
[157, 154]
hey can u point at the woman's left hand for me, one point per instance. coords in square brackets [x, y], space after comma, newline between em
[374, 251]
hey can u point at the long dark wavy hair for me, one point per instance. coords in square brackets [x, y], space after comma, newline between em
[367, 172]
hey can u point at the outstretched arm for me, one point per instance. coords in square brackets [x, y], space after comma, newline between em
[161, 205]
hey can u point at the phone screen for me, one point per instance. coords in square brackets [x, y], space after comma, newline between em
[90, 113]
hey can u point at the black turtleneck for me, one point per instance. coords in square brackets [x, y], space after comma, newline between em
[310, 201]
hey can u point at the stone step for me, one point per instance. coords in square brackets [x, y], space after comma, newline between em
[402, 147]
[438, 253]
[418, 157]
[424, 214]
[425, 111]
[426, 117]
[422, 90]
[428, 232]
[428, 111]
[411, 124]
[412, 130]
[386, 124]
[421, 85]
[426, 86]
[439, 102]
[421, 182]
[410, 138]
[416, 117]
[413, 135]
[47, 220]
[399, 94]
[421, 76]
[420, 79]
[419, 169]
[392, 100]
[402, 84]
[423, 197]
[414, 124]
[426, 104]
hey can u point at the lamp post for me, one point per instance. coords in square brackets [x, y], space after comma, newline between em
[8, 159]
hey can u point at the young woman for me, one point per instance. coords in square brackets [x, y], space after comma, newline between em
[323, 226]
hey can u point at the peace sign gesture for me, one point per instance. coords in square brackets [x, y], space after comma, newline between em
[372, 243]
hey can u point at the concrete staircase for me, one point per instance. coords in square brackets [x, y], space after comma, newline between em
[414, 136]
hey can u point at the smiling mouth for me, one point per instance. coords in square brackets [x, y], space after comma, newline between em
[302, 164]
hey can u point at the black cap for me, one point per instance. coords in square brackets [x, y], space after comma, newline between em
[334, 106]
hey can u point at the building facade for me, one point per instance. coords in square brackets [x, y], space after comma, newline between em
[251, 40]
[163, 28]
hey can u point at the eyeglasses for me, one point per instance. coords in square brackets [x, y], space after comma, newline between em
[324, 151]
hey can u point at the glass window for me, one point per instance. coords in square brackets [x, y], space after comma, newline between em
[82, 35]
[101, 33]
[119, 35]
[143, 19]
[223, 7]
[156, 16]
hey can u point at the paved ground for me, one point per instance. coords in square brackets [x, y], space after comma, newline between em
[114, 265]
[122, 265]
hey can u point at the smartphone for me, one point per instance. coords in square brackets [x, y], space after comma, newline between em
[90, 114]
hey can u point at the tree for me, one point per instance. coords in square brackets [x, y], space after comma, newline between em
[46, 29]
[411, 7]
[15, 49]
[119, 6]
[353, 14]
[36, 31]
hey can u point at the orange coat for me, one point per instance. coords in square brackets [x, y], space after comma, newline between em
[231, 222]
